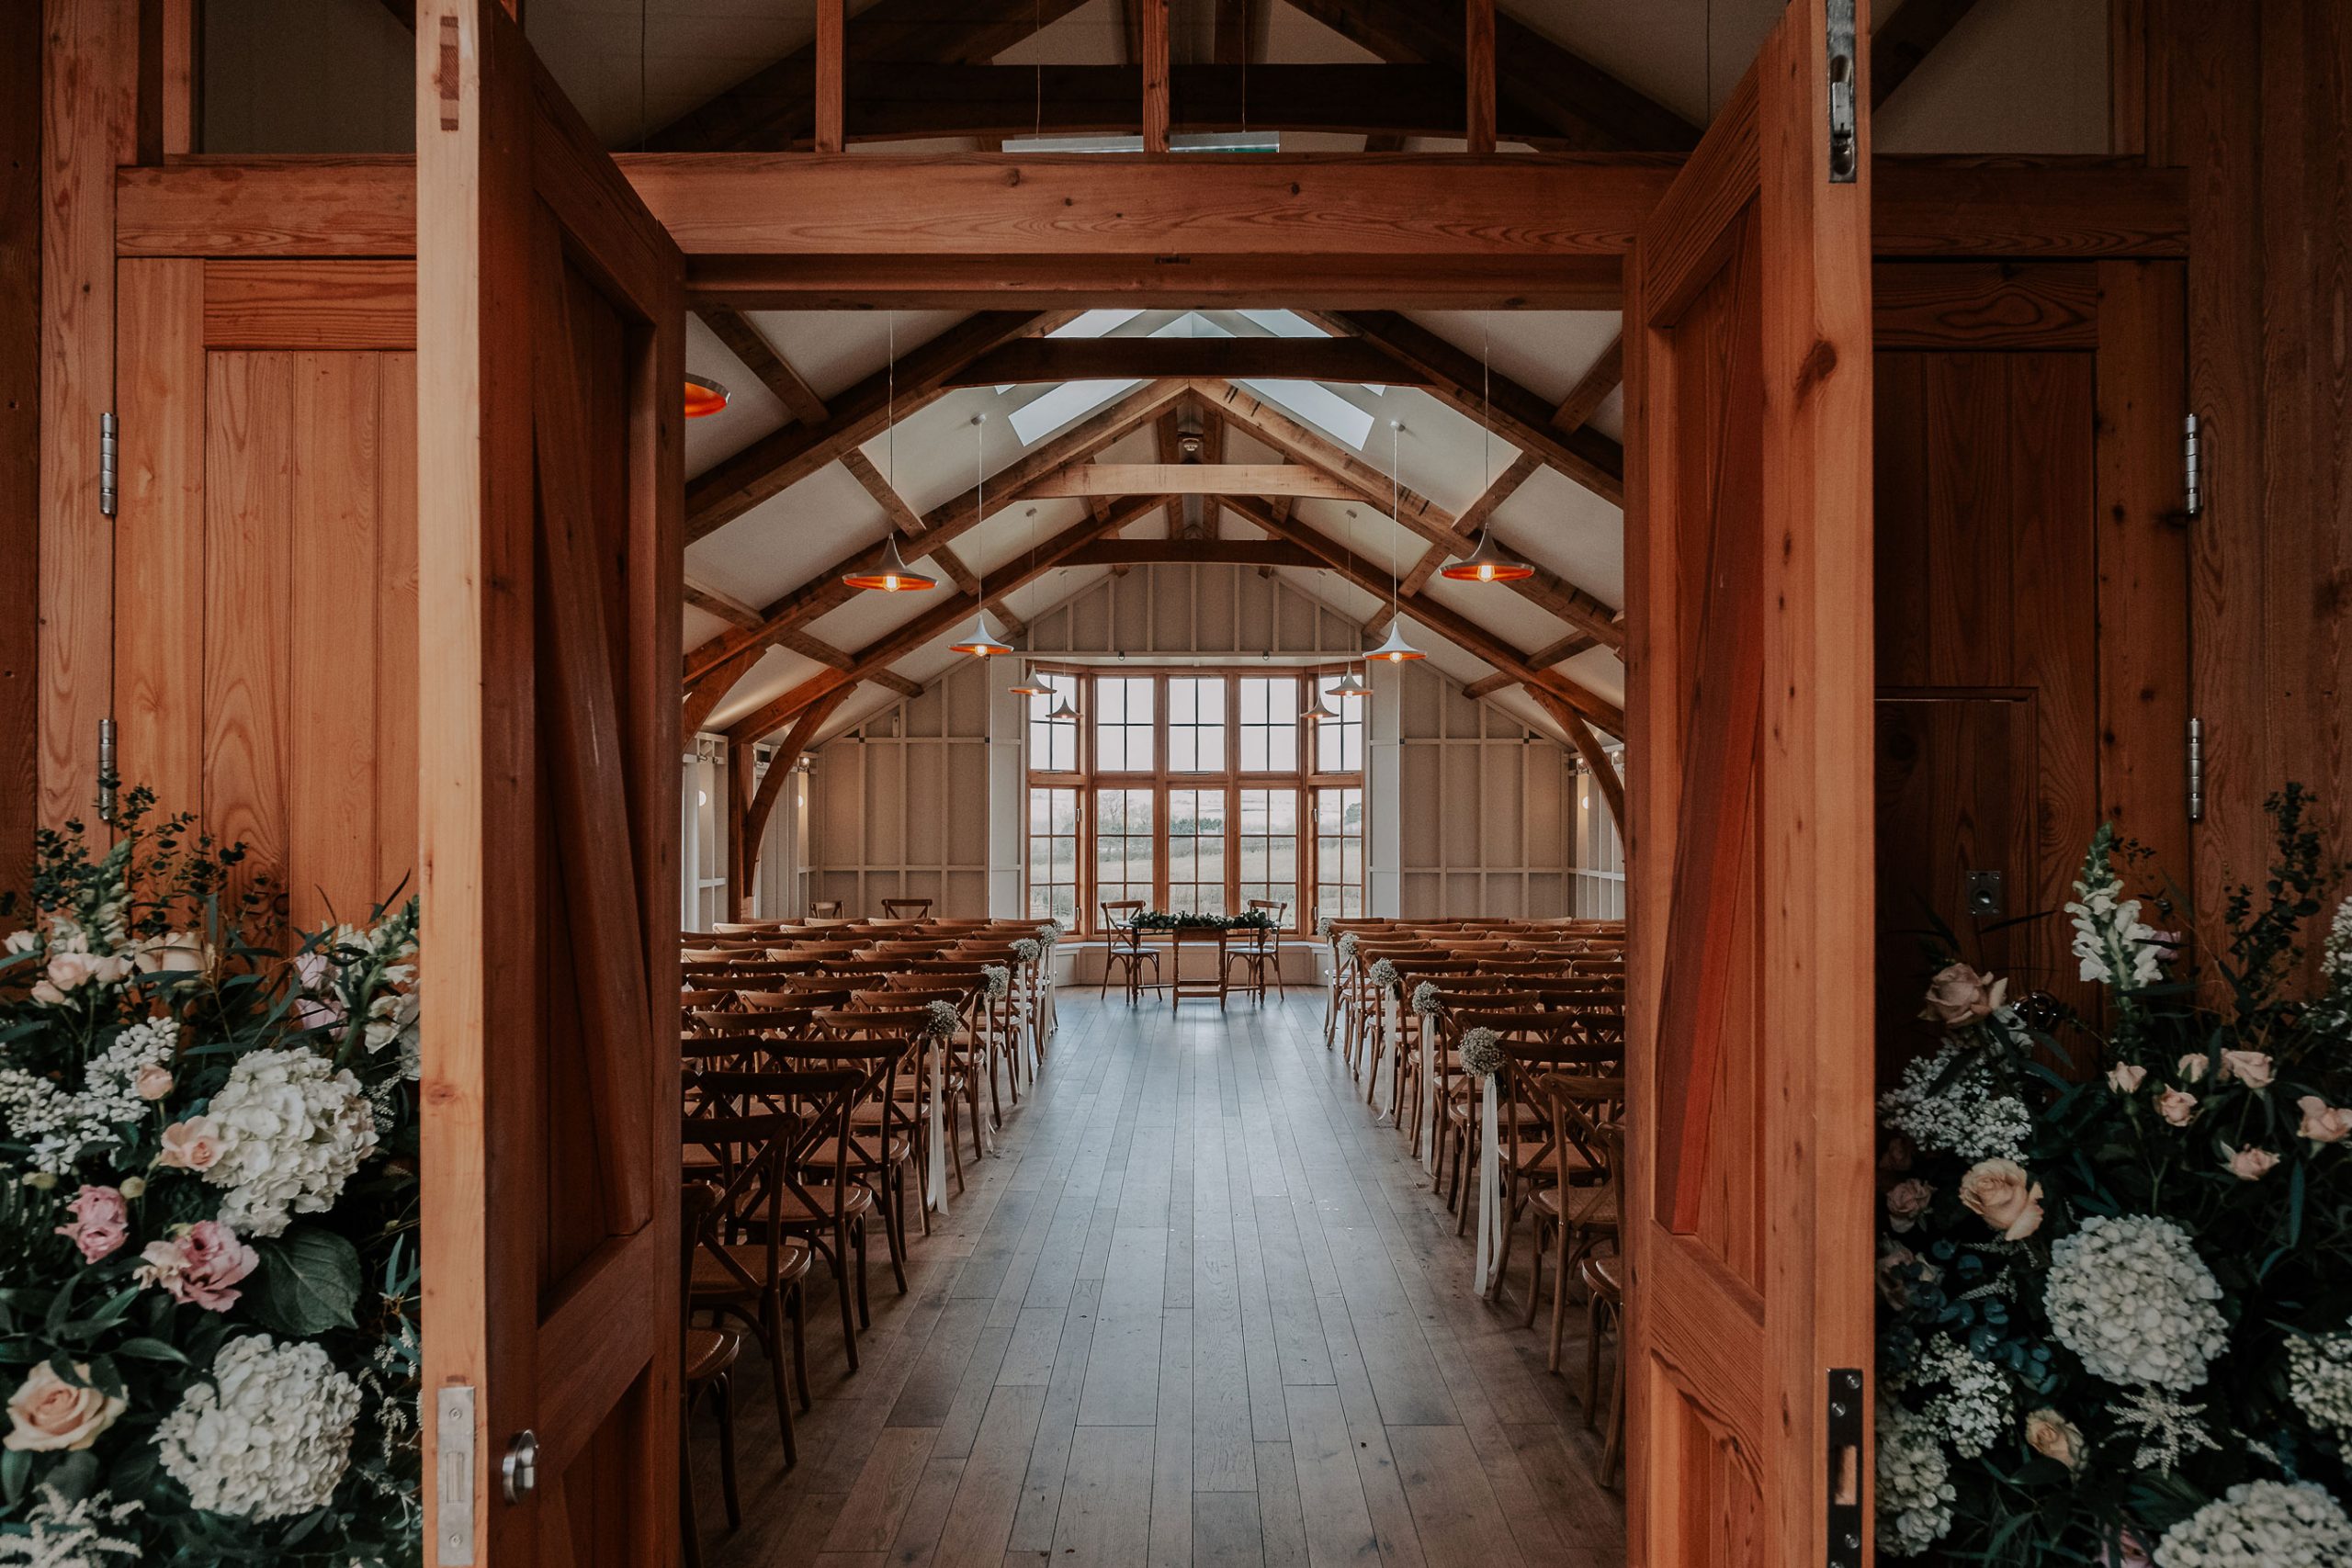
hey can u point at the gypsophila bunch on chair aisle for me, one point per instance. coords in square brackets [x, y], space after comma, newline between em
[2115, 1252]
[209, 1291]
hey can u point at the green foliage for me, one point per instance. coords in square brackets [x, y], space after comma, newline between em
[1177, 920]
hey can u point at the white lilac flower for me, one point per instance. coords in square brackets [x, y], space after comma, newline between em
[267, 1437]
[1915, 1488]
[1482, 1052]
[1974, 1405]
[1950, 1102]
[1425, 997]
[60, 1125]
[293, 1129]
[2116, 947]
[1382, 974]
[2319, 1380]
[2131, 1297]
[72, 1535]
[2261, 1524]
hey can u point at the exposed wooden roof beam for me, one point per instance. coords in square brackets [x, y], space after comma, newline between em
[1414, 509]
[1487, 685]
[1907, 37]
[774, 108]
[871, 479]
[1194, 552]
[1152, 359]
[943, 525]
[935, 621]
[1567, 647]
[1457, 379]
[1458, 629]
[817, 649]
[774, 463]
[1474, 517]
[1193, 479]
[1587, 107]
[755, 825]
[1588, 746]
[1478, 75]
[760, 357]
[725, 606]
[1232, 33]
[893, 681]
[1603, 376]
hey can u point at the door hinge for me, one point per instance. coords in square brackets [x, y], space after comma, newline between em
[453, 1518]
[2197, 770]
[109, 428]
[105, 770]
[1844, 1425]
[2192, 463]
[1845, 146]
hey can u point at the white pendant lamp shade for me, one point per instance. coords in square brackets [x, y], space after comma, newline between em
[1062, 709]
[1349, 686]
[984, 641]
[1395, 649]
[1321, 710]
[1029, 686]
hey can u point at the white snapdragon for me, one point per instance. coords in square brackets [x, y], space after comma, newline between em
[76, 1534]
[2261, 1524]
[1950, 1102]
[2319, 1380]
[2131, 1297]
[1915, 1489]
[268, 1436]
[2115, 946]
[293, 1129]
[2334, 1008]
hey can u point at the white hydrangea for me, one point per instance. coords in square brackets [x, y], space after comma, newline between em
[60, 1125]
[1915, 1489]
[1966, 1113]
[2318, 1378]
[268, 1436]
[1973, 1407]
[2115, 946]
[2261, 1524]
[2131, 1297]
[72, 1535]
[293, 1128]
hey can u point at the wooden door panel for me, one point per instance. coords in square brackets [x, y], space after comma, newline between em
[1748, 537]
[551, 323]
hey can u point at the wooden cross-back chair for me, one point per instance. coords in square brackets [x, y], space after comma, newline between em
[1125, 948]
[757, 1279]
[1582, 1213]
[896, 1017]
[1260, 951]
[982, 1042]
[1453, 1096]
[708, 1359]
[1408, 1094]
[1358, 997]
[1536, 1149]
[907, 908]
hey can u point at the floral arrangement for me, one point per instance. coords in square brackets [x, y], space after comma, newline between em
[996, 979]
[1426, 999]
[1482, 1052]
[2115, 1259]
[1028, 950]
[1181, 920]
[1050, 933]
[1384, 976]
[940, 1019]
[207, 1210]
[1322, 927]
[1347, 948]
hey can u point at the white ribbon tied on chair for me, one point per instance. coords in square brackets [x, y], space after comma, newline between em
[934, 1071]
[1428, 1108]
[1392, 1039]
[1490, 1189]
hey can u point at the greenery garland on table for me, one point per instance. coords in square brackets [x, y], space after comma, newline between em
[209, 1282]
[2116, 1320]
[1179, 919]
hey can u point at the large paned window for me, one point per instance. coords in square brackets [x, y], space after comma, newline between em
[1196, 790]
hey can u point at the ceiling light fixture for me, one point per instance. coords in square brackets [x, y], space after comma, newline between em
[1062, 709]
[985, 642]
[1394, 648]
[1029, 686]
[1320, 711]
[1490, 562]
[705, 395]
[890, 574]
[1349, 686]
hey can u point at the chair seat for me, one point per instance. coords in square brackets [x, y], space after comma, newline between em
[865, 1153]
[856, 1201]
[711, 1353]
[713, 1284]
[1604, 1273]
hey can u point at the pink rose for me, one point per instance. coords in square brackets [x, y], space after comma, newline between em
[2192, 1068]
[2167, 944]
[2124, 1077]
[2250, 1165]
[68, 971]
[2323, 1123]
[48, 1414]
[2251, 1068]
[2132, 1551]
[101, 1221]
[2176, 1106]
[1959, 997]
[2001, 1193]
[2052, 1436]
[1906, 1202]
[152, 1082]
[199, 1266]
[192, 1145]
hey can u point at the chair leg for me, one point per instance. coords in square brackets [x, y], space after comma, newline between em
[840, 1284]
[1613, 1449]
[897, 1222]
[729, 1490]
[1594, 1310]
[772, 1341]
[1535, 1280]
[798, 1307]
[689, 1523]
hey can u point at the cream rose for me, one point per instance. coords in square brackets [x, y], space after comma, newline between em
[1959, 997]
[2193, 1068]
[2250, 1165]
[49, 1413]
[192, 1145]
[2004, 1196]
[2177, 1106]
[2052, 1436]
[2124, 1077]
[2323, 1122]
[68, 971]
[2251, 1068]
[152, 1082]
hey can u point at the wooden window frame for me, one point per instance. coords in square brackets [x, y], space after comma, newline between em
[1089, 777]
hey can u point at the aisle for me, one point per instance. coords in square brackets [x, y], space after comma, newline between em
[1198, 1309]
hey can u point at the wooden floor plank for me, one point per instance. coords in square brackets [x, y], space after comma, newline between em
[1106, 1499]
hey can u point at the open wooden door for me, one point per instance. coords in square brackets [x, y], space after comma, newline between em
[1748, 1200]
[549, 350]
